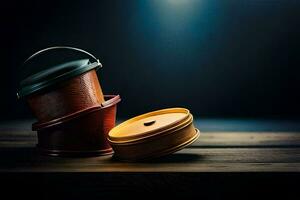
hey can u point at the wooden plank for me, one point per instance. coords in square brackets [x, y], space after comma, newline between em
[204, 124]
[187, 160]
[213, 164]
[207, 139]
[18, 139]
[249, 139]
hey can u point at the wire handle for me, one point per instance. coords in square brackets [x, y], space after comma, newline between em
[62, 47]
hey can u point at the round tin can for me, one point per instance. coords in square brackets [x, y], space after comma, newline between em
[153, 134]
[64, 88]
[80, 134]
[73, 115]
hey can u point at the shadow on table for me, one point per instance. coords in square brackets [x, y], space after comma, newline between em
[172, 158]
[177, 158]
[17, 154]
[31, 154]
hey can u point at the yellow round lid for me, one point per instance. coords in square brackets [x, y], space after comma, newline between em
[149, 124]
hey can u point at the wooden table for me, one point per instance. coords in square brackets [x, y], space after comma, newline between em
[217, 164]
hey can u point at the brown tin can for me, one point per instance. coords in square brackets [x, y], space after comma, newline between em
[83, 133]
[73, 116]
[62, 89]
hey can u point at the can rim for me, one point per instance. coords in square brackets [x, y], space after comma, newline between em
[113, 100]
[124, 140]
[28, 89]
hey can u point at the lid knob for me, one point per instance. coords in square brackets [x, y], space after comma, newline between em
[149, 123]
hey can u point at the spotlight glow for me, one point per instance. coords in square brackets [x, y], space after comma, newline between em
[179, 2]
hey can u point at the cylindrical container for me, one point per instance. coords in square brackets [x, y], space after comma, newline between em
[80, 134]
[74, 117]
[64, 88]
[153, 134]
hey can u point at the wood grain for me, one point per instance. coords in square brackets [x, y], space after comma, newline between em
[219, 164]
[187, 160]
[248, 139]
[212, 152]
[207, 139]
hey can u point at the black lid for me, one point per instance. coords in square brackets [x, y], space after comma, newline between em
[43, 77]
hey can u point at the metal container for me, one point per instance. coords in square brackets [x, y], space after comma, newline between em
[153, 134]
[73, 116]
[64, 88]
[79, 134]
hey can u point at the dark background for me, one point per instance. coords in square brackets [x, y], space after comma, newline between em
[231, 58]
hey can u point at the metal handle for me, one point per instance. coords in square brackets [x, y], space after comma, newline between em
[62, 47]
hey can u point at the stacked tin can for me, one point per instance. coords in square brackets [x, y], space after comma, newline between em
[73, 115]
[76, 119]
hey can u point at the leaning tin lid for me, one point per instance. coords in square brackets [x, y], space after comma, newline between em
[153, 134]
[44, 69]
